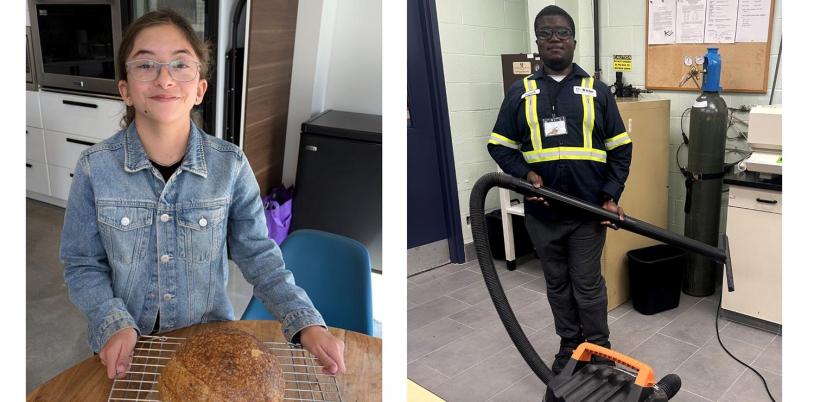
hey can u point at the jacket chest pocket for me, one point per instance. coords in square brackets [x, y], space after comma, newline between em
[124, 231]
[202, 232]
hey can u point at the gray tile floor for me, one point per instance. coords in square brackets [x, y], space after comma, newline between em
[458, 349]
[55, 329]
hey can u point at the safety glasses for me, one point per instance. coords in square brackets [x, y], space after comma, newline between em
[561, 32]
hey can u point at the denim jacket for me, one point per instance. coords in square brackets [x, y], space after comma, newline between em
[132, 243]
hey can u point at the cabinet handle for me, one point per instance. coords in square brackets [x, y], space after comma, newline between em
[766, 201]
[80, 142]
[82, 104]
[28, 165]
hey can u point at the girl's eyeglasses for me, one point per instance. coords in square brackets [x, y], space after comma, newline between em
[148, 70]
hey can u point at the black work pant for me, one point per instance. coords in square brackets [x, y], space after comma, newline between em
[570, 252]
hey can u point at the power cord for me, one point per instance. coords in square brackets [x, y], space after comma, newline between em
[720, 299]
[717, 315]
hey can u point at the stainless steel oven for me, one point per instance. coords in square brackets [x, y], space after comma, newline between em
[75, 44]
[30, 75]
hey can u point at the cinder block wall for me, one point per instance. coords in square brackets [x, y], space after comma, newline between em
[473, 36]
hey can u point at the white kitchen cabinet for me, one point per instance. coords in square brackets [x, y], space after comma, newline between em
[64, 149]
[61, 179]
[58, 128]
[36, 178]
[753, 225]
[83, 115]
[34, 145]
[33, 115]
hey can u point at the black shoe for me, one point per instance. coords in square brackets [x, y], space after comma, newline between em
[560, 360]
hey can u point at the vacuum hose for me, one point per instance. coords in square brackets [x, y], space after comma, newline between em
[477, 201]
[477, 219]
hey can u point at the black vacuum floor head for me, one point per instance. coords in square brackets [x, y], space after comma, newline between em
[581, 381]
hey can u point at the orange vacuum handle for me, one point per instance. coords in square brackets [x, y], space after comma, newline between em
[644, 378]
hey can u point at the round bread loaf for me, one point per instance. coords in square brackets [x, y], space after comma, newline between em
[222, 365]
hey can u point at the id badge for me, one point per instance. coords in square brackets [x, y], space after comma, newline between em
[554, 126]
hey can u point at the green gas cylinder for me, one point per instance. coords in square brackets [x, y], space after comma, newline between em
[705, 164]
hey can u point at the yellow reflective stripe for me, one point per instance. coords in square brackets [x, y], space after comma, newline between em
[570, 153]
[617, 141]
[498, 139]
[587, 114]
[590, 135]
[535, 135]
[506, 139]
[530, 103]
[584, 115]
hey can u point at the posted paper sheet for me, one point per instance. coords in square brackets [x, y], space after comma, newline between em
[753, 21]
[662, 22]
[690, 16]
[722, 16]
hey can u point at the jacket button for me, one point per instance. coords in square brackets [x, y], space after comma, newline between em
[167, 297]
[164, 218]
[125, 221]
[202, 222]
[165, 258]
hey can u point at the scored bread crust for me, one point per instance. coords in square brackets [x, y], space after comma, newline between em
[222, 365]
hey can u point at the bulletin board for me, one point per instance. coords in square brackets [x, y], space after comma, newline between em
[745, 65]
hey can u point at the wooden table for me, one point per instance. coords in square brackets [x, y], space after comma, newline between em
[87, 381]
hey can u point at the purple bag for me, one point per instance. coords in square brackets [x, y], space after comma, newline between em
[277, 207]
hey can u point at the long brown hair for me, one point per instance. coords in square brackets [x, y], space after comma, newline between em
[152, 19]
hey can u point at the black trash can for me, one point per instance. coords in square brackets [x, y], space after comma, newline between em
[494, 227]
[655, 277]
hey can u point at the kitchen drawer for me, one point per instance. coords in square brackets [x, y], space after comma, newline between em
[61, 180]
[63, 149]
[33, 115]
[754, 198]
[84, 115]
[36, 178]
[34, 145]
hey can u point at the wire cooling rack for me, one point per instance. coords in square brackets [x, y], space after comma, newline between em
[303, 376]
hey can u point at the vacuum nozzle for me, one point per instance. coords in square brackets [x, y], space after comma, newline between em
[669, 384]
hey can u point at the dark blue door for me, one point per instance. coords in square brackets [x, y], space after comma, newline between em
[432, 200]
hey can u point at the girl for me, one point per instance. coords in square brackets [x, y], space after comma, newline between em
[152, 209]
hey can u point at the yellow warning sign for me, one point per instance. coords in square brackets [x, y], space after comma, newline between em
[622, 62]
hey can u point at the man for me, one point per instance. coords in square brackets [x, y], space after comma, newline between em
[560, 128]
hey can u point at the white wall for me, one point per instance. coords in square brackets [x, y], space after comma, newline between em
[337, 65]
[312, 55]
[355, 74]
[473, 36]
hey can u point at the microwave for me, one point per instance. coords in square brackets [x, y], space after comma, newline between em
[75, 43]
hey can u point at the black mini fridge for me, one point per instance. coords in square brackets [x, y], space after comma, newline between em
[339, 178]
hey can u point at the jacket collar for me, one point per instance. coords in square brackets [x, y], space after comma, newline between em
[576, 71]
[135, 158]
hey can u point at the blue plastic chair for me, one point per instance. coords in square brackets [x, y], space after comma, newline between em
[335, 272]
